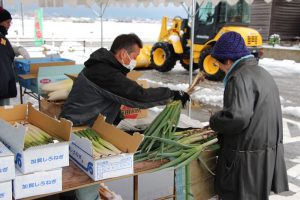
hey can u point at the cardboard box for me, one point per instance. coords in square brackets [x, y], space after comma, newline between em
[38, 158]
[53, 74]
[201, 180]
[7, 164]
[6, 190]
[51, 108]
[49, 74]
[135, 113]
[38, 183]
[28, 69]
[81, 152]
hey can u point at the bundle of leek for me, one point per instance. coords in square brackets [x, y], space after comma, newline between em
[101, 147]
[181, 148]
[35, 137]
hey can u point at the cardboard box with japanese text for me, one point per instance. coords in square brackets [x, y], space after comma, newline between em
[37, 183]
[81, 152]
[7, 164]
[36, 158]
[5, 190]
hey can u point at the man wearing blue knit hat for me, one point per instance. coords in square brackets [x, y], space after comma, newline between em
[251, 159]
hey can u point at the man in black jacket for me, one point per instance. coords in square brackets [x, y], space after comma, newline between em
[251, 159]
[102, 87]
[7, 54]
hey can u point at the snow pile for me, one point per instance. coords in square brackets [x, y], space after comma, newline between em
[293, 111]
[210, 96]
[280, 67]
[181, 86]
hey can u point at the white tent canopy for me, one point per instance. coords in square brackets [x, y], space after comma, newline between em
[146, 3]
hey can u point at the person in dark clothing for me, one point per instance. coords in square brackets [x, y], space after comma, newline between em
[251, 159]
[7, 54]
[7, 77]
[102, 87]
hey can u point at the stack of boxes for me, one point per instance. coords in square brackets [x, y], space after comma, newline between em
[27, 70]
[38, 168]
[7, 172]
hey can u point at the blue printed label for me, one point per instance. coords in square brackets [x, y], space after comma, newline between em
[38, 184]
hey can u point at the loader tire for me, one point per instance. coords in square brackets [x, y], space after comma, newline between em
[206, 64]
[185, 62]
[162, 57]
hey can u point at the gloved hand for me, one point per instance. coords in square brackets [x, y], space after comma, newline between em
[23, 52]
[182, 96]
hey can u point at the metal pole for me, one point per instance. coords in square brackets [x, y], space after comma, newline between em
[101, 18]
[102, 13]
[192, 51]
[22, 15]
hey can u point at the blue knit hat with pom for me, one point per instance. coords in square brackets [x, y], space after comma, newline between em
[231, 46]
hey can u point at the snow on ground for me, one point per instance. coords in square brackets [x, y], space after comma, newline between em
[280, 67]
[72, 30]
[294, 47]
[293, 111]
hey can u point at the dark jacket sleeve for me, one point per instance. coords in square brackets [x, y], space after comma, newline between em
[132, 90]
[237, 110]
[116, 82]
[133, 98]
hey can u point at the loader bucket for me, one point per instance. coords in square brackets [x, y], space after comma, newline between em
[143, 60]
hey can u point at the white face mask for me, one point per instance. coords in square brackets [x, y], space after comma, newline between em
[131, 64]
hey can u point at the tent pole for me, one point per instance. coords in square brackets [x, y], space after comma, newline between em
[22, 15]
[101, 19]
[102, 11]
[191, 51]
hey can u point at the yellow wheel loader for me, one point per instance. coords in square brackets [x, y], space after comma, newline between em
[210, 23]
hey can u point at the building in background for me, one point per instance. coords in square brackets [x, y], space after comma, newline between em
[278, 17]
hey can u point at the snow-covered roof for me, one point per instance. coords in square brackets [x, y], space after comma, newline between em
[59, 3]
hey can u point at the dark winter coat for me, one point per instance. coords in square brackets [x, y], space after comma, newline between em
[251, 160]
[7, 76]
[102, 87]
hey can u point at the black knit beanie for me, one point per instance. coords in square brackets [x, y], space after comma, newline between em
[4, 15]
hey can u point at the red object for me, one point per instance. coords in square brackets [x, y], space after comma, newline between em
[130, 113]
[45, 80]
